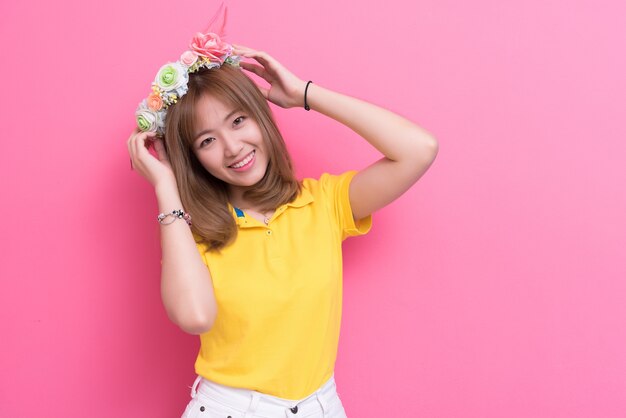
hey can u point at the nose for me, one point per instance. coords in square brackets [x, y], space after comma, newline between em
[232, 146]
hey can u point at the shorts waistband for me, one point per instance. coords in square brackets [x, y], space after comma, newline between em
[260, 404]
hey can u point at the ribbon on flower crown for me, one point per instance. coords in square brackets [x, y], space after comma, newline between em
[206, 50]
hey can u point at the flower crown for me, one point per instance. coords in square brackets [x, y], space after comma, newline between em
[206, 50]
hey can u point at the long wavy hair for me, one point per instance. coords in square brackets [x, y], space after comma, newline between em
[204, 196]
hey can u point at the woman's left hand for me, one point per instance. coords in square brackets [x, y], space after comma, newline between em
[286, 90]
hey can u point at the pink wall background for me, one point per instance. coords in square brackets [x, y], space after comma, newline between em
[494, 287]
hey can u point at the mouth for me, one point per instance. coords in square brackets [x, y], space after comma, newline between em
[245, 163]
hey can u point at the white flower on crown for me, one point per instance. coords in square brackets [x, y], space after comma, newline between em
[147, 119]
[173, 76]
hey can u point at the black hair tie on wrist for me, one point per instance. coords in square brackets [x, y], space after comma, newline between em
[306, 106]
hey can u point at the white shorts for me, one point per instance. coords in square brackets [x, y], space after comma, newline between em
[212, 400]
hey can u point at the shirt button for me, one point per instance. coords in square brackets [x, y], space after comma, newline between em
[269, 232]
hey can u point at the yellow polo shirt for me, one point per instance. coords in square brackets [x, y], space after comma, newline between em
[279, 291]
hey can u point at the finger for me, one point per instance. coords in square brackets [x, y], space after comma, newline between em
[261, 57]
[139, 145]
[133, 134]
[242, 48]
[129, 146]
[149, 142]
[242, 51]
[256, 69]
[265, 92]
[253, 52]
[138, 133]
[159, 147]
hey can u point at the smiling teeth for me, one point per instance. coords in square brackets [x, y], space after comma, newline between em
[244, 162]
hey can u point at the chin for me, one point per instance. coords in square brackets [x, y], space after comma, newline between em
[247, 182]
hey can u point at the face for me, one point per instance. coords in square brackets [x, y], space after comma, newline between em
[229, 144]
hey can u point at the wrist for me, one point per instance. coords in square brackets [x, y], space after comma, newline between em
[168, 197]
[306, 105]
[166, 187]
[298, 94]
[162, 218]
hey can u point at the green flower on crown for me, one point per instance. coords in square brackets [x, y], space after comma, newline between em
[167, 76]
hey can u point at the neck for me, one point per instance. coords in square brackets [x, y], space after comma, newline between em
[235, 197]
[245, 205]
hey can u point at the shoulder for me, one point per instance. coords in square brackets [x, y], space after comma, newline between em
[328, 183]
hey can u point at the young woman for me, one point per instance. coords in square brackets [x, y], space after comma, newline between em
[251, 256]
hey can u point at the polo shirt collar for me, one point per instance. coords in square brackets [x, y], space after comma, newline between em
[304, 198]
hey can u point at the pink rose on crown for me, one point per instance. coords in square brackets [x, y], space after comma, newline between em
[210, 45]
[189, 58]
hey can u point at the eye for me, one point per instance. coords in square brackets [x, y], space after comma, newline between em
[206, 142]
[240, 117]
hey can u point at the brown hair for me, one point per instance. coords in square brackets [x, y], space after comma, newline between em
[204, 196]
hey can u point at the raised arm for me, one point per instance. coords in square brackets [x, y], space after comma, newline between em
[408, 149]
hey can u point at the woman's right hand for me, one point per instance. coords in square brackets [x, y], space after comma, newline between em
[156, 170]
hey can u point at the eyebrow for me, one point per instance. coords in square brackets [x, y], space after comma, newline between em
[208, 131]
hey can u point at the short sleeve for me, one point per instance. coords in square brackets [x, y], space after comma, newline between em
[338, 188]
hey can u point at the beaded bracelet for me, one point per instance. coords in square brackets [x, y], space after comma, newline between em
[176, 214]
